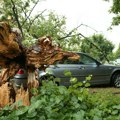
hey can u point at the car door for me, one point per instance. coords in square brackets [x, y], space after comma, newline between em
[89, 66]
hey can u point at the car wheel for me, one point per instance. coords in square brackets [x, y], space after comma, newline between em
[116, 80]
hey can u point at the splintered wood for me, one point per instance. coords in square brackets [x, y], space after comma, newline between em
[45, 53]
[24, 96]
[14, 56]
[9, 48]
[6, 95]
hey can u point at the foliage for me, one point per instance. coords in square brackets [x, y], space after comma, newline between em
[117, 53]
[98, 46]
[61, 103]
[51, 25]
[115, 9]
[72, 43]
[20, 14]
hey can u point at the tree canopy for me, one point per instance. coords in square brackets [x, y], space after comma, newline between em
[98, 47]
[19, 14]
[115, 9]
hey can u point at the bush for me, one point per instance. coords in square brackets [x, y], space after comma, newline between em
[60, 103]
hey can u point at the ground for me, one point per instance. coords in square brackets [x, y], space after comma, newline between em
[101, 90]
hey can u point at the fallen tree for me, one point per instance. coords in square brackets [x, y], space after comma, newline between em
[13, 56]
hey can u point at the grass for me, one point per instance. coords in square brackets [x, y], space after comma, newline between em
[105, 90]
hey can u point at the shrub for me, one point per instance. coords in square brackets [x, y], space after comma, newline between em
[60, 103]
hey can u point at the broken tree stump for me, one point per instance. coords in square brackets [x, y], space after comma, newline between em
[13, 56]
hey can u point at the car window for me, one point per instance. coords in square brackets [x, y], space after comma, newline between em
[67, 61]
[86, 59]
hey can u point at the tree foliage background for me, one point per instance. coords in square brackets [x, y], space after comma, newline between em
[115, 9]
[19, 14]
[98, 47]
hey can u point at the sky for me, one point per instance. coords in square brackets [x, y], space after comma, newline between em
[93, 13]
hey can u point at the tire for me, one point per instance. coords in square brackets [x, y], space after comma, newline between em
[116, 80]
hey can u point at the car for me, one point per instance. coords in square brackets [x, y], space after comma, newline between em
[102, 74]
[20, 78]
[116, 61]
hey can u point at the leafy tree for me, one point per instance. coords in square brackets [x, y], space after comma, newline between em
[19, 14]
[115, 9]
[16, 12]
[98, 47]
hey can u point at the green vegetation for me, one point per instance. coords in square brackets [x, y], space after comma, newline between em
[98, 47]
[44, 23]
[60, 103]
[115, 9]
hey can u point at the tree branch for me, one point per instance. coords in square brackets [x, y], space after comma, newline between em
[16, 17]
[30, 12]
[32, 21]
[69, 34]
[25, 16]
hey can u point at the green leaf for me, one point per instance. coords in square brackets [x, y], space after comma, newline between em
[80, 98]
[73, 80]
[87, 84]
[97, 118]
[17, 112]
[67, 73]
[32, 115]
[34, 106]
[79, 115]
[34, 91]
[57, 80]
[89, 77]
[116, 107]
[115, 112]
[80, 84]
